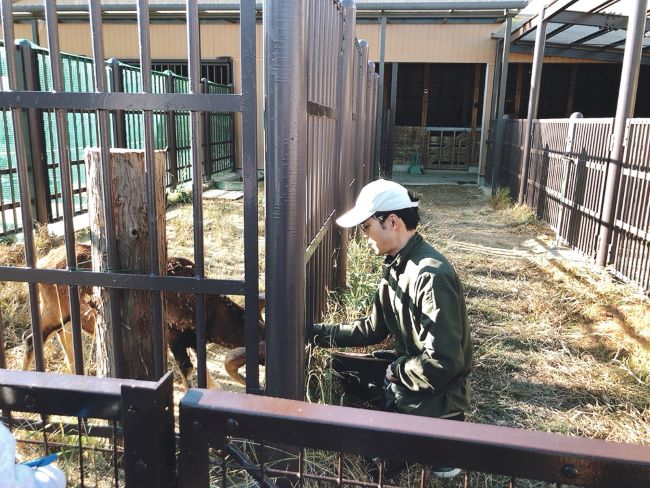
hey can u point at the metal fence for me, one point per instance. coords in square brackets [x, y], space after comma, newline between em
[106, 432]
[170, 132]
[566, 182]
[80, 101]
[337, 166]
[235, 440]
[319, 120]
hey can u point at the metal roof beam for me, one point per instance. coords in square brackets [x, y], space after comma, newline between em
[595, 54]
[551, 11]
[451, 5]
[603, 21]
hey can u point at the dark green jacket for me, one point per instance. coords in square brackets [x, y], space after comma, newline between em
[420, 302]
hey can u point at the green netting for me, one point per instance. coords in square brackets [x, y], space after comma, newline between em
[78, 76]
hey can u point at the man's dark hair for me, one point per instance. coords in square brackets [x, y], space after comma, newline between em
[409, 216]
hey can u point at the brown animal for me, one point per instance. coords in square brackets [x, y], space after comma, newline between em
[224, 318]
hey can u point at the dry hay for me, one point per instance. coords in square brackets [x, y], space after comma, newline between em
[224, 259]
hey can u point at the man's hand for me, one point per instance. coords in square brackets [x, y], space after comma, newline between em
[389, 375]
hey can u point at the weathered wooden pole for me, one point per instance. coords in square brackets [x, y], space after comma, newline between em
[129, 203]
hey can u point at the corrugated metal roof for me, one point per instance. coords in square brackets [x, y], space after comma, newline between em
[583, 28]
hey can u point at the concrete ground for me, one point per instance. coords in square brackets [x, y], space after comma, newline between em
[437, 177]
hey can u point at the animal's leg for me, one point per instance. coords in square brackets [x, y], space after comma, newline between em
[28, 344]
[64, 334]
[179, 341]
[236, 358]
[28, 353]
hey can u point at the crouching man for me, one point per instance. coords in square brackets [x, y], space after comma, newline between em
[419, 301]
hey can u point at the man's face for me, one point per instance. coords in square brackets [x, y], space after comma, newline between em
[381, 236]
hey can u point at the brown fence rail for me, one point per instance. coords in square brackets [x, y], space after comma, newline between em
[223, 433]
[566, 186]
[107, 432]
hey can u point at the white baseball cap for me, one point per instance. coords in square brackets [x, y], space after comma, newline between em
[377, 196]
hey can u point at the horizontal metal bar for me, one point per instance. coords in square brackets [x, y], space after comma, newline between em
[318, 110]
[123, 280]
[199, 102]
[67, 428]
[632, 230]
[551, 11]
[582, 52]
[606, 21]
[476, 447]
[62, 394]
[452, 129]
[230, 6]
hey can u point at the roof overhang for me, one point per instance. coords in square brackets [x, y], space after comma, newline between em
[598, 34]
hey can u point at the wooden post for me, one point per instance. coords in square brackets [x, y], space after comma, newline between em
[129, 204]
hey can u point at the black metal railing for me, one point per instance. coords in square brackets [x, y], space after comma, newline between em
[107, 432]
[226, 438]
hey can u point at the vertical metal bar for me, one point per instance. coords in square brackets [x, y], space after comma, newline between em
[36, 143]
[370, 101]
[157, 266]
[248, 38]
[500, 124]
[103, 136]
[343, 130]
[286, 95]
[80, 431]
[117, 85]
[533, 102]
[194, 86]
[3, 358]
[380, 94]
[388, 164]
[172, 153]
[23, 180]
[66, 175]
[485, 122]
[624, 110]
[207, 143]
[362, 115]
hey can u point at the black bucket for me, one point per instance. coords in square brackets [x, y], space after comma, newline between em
[362, 375]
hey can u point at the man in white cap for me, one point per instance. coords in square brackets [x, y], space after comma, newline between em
[419, 301]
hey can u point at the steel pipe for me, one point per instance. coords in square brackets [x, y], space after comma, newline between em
[533, 102]
[624, 110]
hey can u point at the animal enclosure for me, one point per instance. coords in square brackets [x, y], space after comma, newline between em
[566, 186]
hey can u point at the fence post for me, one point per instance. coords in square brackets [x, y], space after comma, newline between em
[172, 153]
[207, 136]
[624, 110]
[566, 163]
[36, 147]
[344, 132]
[117, 86]
[500, 123]
[390, 151]
[533, 102]
[286, 143]
[149, 443]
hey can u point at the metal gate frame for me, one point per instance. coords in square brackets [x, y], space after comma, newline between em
[103, 102]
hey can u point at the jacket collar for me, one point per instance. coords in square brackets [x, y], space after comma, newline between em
[399, 260]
